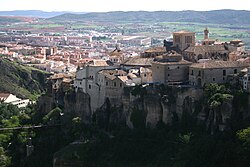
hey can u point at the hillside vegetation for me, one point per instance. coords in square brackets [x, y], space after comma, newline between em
[216, 16]
[23, 81]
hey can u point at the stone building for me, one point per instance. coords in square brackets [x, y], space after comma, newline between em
[116, 56]
[170, 69]
[235, 45]
[145, 75]
[208, 72]
[212, 49]
[87, 80]
[246, 79]
[195, 53]
[111, 84]
[183, 39]
[153, 52]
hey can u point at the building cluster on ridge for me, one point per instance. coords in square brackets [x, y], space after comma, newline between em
[104, 74]
[181, 62]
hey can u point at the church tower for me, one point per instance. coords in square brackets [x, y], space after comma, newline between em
[206, 33]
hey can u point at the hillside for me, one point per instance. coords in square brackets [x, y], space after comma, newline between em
[31, 13]
[25, 82]
[15, 19]
[216, 17]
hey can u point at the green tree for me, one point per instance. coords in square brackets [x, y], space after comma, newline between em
[4, 159]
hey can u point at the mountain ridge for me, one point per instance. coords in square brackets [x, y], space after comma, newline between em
[35, 13]
[225, 16]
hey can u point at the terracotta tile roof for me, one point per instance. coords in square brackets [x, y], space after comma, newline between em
[112, 74]
[99, 63]
[138, 62]
[116, 52]
[173, 63]
[123, 78]
[156, 49]
[4, 96]
[204, 48]
[220, 64]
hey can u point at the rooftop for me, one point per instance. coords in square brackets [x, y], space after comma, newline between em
[4, 96]
[123, 78]
[156, 49]
[219, 64]
[204, 48]
[172, 62]
[112, 74]
[116, 52]
[138, 62]
[184, 32]
[100, 63]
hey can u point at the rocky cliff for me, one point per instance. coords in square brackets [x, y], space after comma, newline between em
[149, 107]
[162, 108]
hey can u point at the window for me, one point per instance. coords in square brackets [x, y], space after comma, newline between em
[192, 72]
[168, 74]
[107, 83]
[145, 75]
[89, 86]
[213, 79]
[188, 39]
[178, 67]
[114, 84]
[157, 67]
[199, 73]
[235, 71]
[224, 72]
[80, 83]
[177, 39]
[223, 78]
[120, 84]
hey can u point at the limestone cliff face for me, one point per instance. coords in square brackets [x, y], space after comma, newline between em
[153, 110]
[162, 108]
[219, 119]
[147, 109]
[109, 117]
[78, 104]
[46, 103]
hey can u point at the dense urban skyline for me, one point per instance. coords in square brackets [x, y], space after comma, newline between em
[114, 5]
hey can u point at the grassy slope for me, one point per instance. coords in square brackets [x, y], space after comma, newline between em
[25, 82]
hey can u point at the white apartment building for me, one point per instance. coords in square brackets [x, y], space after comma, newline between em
[12, 99]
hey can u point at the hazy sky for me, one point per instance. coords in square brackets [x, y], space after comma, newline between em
[122, 5]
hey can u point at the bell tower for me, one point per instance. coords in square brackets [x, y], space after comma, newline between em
[206, 33]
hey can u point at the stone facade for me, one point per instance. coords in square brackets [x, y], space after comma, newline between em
[208, 72]
[246, 80]
[87, 79]
[111, 86]
[183, 39]
[195, 53]
[170, 69]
